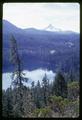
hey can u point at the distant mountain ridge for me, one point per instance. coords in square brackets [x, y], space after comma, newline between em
[49, 28]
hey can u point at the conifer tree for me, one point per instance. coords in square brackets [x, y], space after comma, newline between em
[4, 104]
[17, 76]
[60, 85]
[33, 92]
[38, 97]
[7, 102]
[45, 87]
[32, 89]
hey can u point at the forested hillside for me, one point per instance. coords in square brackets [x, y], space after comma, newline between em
[42, 49]
[59, 99]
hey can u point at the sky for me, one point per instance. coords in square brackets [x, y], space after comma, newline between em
[65, 16]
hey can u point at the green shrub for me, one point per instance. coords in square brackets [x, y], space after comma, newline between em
[72, 110]
[58, 104]
[73, 90]
[42, 112]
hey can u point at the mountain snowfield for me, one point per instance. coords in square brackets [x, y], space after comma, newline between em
[50, 27]
[34, 75]
[52, 51]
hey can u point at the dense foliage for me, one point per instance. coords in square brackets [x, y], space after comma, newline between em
[36, 102]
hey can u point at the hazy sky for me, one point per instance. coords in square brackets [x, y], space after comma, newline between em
[39, 15]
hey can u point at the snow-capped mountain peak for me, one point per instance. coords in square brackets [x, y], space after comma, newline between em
[50, 27]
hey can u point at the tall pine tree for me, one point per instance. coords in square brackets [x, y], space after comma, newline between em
[17, 76]
[60, 86]
[45, 88]
[38, 97]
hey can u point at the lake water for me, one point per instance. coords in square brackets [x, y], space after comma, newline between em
[34, 75]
